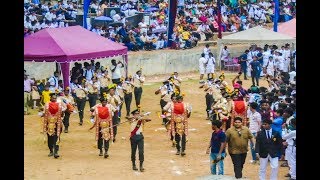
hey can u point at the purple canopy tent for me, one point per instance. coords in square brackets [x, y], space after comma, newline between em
[73, 43]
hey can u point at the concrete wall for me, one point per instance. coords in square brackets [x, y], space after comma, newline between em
[152, 62]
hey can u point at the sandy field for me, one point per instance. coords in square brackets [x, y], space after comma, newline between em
[79, 158]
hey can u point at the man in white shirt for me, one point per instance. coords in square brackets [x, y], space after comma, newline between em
[115, 70]
[254, 126]
[53, 81]
[202, 66]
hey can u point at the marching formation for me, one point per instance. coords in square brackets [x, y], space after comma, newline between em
[259, 119]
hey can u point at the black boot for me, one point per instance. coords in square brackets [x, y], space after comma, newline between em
[178, 152]
[101, 152]
[50, 154]
[141, 166]
[183, 153]
[106, 155]
[134, 167]
[66, 130]
[55, 154]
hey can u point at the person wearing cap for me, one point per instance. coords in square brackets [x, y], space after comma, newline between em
[115, 101]
[136, 138]
[52, 124]
[180, 112]
[104, 81]
[237, 140]
[68, 100]
[138, 81]
[92, 87]
[166, 91]
[127, 87]
[268, 144]
[81, 95]
[217, 145]
[28, 83]
[115, 70]
[103, 113]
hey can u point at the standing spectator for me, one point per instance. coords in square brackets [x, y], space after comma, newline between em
[237, 139]
[210, 65]
[254, 126]
[115, 70]
[217, 145]
[88, 72]
[267, 146]
[255, 67]
[290, 139]
[243, 63]
[28, 83]
[202, 65]
[54, 82]
[225, 55]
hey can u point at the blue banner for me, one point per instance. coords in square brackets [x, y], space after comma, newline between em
[172, 18]
[86, 5]
[276, 15]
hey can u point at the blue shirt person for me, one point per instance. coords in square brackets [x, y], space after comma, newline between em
[255, 67]
[243, 63]
[217, 145]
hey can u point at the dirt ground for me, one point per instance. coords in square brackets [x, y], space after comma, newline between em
[79, 156]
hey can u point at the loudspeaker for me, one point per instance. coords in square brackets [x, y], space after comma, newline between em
[79, 20]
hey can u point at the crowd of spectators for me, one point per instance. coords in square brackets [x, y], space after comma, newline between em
[195, 20]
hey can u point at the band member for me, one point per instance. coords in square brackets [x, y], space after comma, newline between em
[138, 81]
[105, 81]
[167, 112]
[136, 138]
[68, 100]
[81, 94]
[209, 97]
[115, 101]
[166, 91]
[92, 87]
[103, 114]
[239, 109]
[180, 112]
[52, 125]
[127, 89]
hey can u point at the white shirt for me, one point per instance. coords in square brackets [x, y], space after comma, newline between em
[255, 120]
[290, 137]
[53, 81]
[88, 74]
[292, 74]
[269, 133]
[202, 62]
[116, 17]
[116, 74]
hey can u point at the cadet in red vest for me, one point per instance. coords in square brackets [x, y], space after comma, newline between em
[180, 112]
[239, 109]
[103, 122]
[52, 125]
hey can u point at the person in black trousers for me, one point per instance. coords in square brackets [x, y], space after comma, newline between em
[138, 81]
[136, 138]
[69, 102]
[127, 90]
[237, 138]
[81, 100]
[255, 70]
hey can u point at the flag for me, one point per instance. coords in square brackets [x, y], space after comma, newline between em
[86, 4]
[276, 15]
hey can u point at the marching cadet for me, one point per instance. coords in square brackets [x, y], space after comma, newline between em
[68, 100]
[167, 112]
[115, 101]
[103, 113]
[209, 97]
[166, 91]
[180, 112]
[52, 125]
[136, 138]
[138, 81]
[127, 87]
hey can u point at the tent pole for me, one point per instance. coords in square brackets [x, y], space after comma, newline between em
[65, 68]
[125, 60]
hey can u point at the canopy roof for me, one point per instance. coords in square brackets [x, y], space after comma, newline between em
[288, 28]
[257, 35]
[67, 44]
